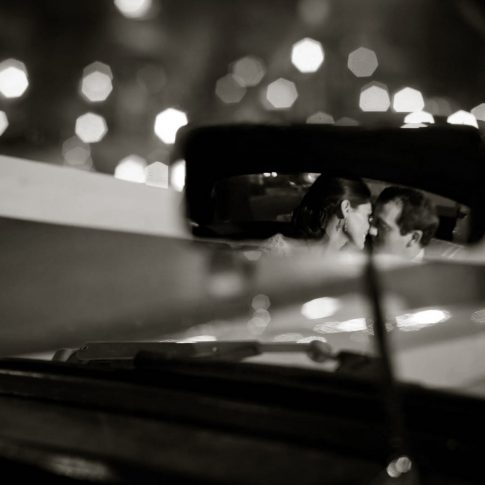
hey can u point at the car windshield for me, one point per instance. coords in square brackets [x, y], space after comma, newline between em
[116, 228]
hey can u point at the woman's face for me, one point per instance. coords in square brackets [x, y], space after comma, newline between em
[358, 224]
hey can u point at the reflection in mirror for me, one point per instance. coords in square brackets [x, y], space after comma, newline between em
[258, 206]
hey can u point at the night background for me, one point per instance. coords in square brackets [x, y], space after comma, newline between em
[183, 55]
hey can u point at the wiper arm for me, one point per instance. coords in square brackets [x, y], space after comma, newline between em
[316, 350]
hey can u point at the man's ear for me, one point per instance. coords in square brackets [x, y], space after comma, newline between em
[344, 208]
[416, 237]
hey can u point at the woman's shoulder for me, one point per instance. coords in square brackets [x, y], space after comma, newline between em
[278, 244]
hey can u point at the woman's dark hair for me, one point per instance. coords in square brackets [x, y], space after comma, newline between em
[322, 201]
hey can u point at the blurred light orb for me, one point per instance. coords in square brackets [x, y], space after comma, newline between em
[354, 325]
[263, 315]
[157, 175]
[281, 94]
[414, 125]
[422, 318]
[76, 153]
[168, 122]
[177, 175]
[462, 117]
[320, 308]
[479, 112]
[307, 55]
[13, 78]
[96, 84]
[258, 324]
[133, 9]
[374, 97]
[399, 467]
[312, 338]
[131, 169]
[438, 106]
[408, 100]
[249, 71]
[478, 316]
[314, 12]
[228, 89]
[362, 62]
[198, 338]
[310, 177]
[288, 337]
[91, 128]
[419, 117]
[260, 302]
[320, 118]
[3, 122]
[346, 121]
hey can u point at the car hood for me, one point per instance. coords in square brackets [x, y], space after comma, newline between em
[76, 285]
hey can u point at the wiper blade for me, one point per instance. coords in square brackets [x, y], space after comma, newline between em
[316, 350]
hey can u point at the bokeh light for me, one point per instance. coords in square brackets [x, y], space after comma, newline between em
[3, 122]
[422, 318]
[13, 78]
[229, 90]
[462, 117]
[320, 308]
[131, 169]
[438, 106]
[157, 175]
[133, 9]
[414, 125]
[478, 316]
[354, 325]
[320, 118]
[198, 338]
[259, 323]
[177, 175]
[346, 121]
[249, 71]
[77, 154]
[398, 467]
[374, 97]
[91, 128]
[260, 302]
[168, 122]
[408, 100]
[479, 112]
[312, 338]
[281, 94]
[96, 84]
[288, 337]
[262, 316]
[419, 117]
[307, 55]
[314, 12]
[362, 62]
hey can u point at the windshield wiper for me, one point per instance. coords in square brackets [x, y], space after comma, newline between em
[154, 355]
[316, 350]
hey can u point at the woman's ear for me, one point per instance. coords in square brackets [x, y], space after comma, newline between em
[415, 237]
[344, 208]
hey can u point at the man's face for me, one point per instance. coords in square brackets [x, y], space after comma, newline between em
[389, 239]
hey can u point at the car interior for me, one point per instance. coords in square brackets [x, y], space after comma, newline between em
[228, 198]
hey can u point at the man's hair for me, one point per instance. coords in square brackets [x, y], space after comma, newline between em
[417, 211]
